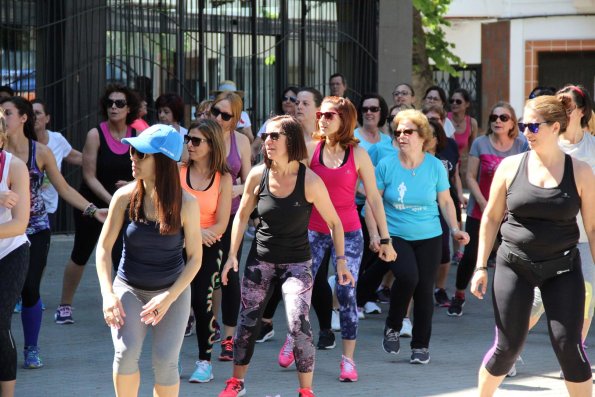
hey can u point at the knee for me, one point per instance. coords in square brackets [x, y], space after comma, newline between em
[126, 360]
[165, 368]
[346, 295]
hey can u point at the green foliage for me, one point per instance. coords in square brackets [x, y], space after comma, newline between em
[437, 48]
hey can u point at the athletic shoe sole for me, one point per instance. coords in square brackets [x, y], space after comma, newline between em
[390, 352]
[329, 347]
[418, 361]
[266, 337]
[347, 380]
[64, 322]
[194, 380]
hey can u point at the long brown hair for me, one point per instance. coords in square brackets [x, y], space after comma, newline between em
[214, 135]
[348, 116]
[167, 199]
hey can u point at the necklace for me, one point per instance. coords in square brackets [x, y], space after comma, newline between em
[412, 169]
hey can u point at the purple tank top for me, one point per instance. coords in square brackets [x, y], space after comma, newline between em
[234, 162]
[38, 217]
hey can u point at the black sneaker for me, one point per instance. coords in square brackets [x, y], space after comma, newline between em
[420, 356]
[326, 340]
[441, 297]
[266, 332]
[456, 307]
[390, 342]
[383, 295]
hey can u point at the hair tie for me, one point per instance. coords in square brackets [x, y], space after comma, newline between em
[576, 89]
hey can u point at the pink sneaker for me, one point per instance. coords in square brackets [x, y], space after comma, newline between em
[233, 388]
[348, 370]
[286, 357]
[306, 392]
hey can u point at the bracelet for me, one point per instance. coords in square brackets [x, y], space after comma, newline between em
[340, 257]
[478, 269]
[385, 241]
[454, 230]
[90, 210]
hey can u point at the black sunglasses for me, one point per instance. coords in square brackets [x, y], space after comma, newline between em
[120, 103]
[196, 141]
[139, 155]
[291, 99]
[457, 101]
[503, 117]
[273, 135]
[216, 112]
[407, 132]
[373, 109]
[533, 127]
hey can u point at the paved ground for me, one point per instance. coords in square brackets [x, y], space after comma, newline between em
[78, 357]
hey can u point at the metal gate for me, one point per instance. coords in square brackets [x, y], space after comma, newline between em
[469, 78]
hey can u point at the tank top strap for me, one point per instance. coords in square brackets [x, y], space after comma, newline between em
[3, 159]
[106, 139]
[32, 159]
[263, 187]
[521, 175]
[300, 187]
[317, 152]
[467, 126]
[568, 177]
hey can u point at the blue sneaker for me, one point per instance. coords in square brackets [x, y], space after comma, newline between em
[32, 359]
[19, 306]
[63, 315]
[203, 372]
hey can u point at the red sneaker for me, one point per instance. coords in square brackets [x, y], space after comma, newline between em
[233, 388]
[306, 392]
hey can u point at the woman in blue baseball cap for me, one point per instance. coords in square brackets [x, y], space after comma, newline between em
[151, 288]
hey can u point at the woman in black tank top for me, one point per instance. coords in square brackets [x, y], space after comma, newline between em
[540, 192]
[284, 191]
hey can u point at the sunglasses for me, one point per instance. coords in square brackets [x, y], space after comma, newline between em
[407, 132]
[291, 99]
[533, 127]
[457, 101]
[139, 155]
[373, 109]
[120, 103]
[503, 117]
[224, 116]
[196, 141]
[273, 135]
[326, 115]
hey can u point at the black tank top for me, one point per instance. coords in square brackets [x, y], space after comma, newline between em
[541, 222]
[282, 235]
[109, 169]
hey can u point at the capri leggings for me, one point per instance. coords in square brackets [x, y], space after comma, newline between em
[202, 288]
[38, 258]
[168, 334]
[86, 234]
[321, 244]
[230, 293]
[13, 270]
[589, 276]
[563, 298]
[257, 286]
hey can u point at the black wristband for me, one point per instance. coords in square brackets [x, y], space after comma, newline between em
[478, 269]
[384, 241]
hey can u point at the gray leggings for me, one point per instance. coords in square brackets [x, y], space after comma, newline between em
[168, 335]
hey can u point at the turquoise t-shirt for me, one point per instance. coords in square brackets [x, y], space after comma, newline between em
[361, 199]
[410, 196]
[381, 150]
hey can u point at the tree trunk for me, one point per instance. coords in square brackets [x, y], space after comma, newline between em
[422, 71]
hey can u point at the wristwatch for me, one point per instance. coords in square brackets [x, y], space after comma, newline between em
[385, 241]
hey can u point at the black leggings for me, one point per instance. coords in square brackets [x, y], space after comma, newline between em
[38, 258]
[414, 271]
[230, 293]
[368, 259]
[202, 288]
[564, 301]
[13, 270]
[467, 264]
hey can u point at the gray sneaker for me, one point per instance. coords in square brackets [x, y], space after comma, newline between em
[420, 356]
[390, 342]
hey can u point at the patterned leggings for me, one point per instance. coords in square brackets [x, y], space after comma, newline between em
[258, 284]
[320, 244]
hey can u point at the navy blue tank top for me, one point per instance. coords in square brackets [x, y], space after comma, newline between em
[541, 222]
[150, 261]
[282, 234]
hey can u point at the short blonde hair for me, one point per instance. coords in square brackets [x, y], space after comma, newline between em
[417, 118]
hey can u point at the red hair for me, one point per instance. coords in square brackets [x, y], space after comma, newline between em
[348, 116]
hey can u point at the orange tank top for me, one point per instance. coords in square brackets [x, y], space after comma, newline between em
[207, 199]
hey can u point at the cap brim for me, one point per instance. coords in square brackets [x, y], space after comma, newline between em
[140, 144]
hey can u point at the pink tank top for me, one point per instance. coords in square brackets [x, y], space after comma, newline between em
[462, 139]
[341, 184]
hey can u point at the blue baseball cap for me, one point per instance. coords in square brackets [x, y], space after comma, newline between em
[158, 138]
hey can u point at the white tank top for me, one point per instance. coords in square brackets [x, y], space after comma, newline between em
[9, 244]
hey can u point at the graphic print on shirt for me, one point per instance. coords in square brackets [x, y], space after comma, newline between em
[488, 165]
[402, 189]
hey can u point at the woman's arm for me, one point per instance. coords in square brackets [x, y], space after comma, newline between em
[74, 157]
[113, 311]
[18, 182]
[90, 152]
[472, 171]
[213, 233]
[447, 208]
[317, 194]
[459, 187]
[154, 310]
[67, 192]
[474, 131]
[586, 184]
[374, 200]
[247, 204]
[490, 223]
[245, 156]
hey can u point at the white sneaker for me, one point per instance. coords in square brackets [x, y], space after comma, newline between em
[512, 372]
[372, 308]
[407, 328]
[360, 313]
[335, 321]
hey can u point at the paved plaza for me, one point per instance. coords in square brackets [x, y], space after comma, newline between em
[78, 357]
